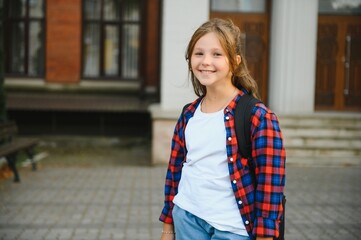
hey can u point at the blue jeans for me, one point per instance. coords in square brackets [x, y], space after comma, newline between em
[187, 226]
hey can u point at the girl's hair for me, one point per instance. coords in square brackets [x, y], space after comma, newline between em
[230, 38]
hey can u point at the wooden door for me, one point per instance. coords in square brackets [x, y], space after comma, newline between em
[338, 70]
[255, 27]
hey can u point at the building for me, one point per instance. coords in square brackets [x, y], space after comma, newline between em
[305, 56]
[97, 60]
[80, 66]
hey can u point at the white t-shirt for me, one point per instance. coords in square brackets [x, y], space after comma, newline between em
[205, 188]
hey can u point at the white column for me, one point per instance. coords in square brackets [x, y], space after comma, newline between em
[293, 56]
[180, 19]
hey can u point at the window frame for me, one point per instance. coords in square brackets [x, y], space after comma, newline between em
[27, 20]
[102, 23]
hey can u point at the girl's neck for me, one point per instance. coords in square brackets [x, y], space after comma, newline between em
[215, 100]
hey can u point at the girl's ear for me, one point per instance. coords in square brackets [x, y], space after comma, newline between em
[238, 59]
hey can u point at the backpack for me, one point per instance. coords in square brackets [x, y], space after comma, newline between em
[242, 117]
[242, 113]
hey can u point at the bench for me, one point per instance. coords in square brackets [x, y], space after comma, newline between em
[11, 145]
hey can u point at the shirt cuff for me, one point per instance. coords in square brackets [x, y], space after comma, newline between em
[265, 227]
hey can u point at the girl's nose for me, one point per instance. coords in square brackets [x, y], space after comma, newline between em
[206, 59]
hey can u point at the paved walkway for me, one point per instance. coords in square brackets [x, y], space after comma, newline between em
[72, 196]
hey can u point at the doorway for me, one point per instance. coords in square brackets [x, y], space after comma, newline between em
[338, 69]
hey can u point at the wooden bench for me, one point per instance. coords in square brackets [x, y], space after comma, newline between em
[11, 145]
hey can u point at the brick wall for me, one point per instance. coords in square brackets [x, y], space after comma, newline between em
[63, 41]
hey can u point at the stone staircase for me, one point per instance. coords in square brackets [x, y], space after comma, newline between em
[322, 139]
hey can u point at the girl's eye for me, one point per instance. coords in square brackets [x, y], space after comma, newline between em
[198, 53]
[217, 54]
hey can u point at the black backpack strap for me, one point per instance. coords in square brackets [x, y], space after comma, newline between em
[242, 117]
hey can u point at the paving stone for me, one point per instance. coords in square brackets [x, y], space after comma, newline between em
[123, 202]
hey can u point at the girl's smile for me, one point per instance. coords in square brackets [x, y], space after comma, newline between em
[206, 71]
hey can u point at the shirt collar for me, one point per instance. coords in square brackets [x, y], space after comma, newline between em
[232, 105]
[189, 111]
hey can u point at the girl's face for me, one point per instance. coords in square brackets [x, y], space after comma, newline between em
[209, 62]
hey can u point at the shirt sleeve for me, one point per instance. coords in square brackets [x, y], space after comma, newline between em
[269, 154]
[173, 172]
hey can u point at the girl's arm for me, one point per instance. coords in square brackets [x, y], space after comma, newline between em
[173, 172]
[269, 154]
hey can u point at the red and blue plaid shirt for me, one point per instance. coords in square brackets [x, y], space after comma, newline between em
[260, 208]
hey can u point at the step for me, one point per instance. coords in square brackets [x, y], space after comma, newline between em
[323, 161]
[319, 119]
[315, 123]
[323, 142]
[322, 132]
[322, 152]
[319, 139]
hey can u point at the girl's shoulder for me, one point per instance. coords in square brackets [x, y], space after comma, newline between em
[191, 107]
[262, 112]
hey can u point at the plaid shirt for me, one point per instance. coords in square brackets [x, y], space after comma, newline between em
[260, 208]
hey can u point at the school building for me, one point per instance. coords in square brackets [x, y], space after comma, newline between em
[92, 63]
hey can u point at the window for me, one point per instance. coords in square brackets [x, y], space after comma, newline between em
[340, 7]
[245, 6]
[24, 38]
[111, 39]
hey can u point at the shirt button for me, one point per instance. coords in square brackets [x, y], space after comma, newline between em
[246, 222]
[227, 118]
[239, 202]
[229, 139]
[227, 110]
[231, 159]
[234, 181]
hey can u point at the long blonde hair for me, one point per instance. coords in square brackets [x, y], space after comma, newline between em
[229, 36]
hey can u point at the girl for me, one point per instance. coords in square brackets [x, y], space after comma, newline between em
[208, 189]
